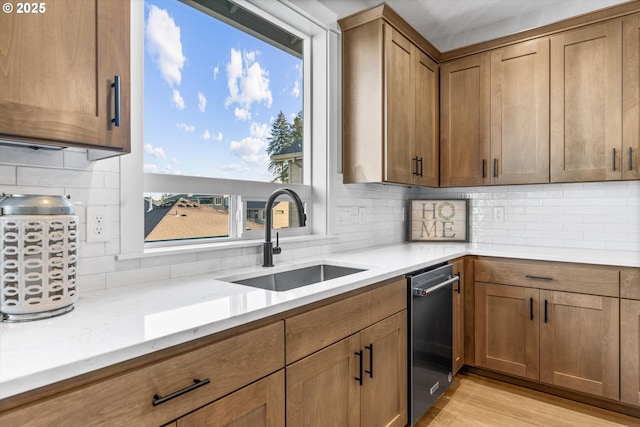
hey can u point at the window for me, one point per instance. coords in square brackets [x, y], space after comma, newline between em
[224, 116]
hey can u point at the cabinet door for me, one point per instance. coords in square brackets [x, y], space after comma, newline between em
[427, 141]
[458, 316]
[630, 351]
[464, 121]
[322, 389]
[631, 97]
[586, 103]
[260, 404]
[55, 83]
[520, 113]
[398, 144]
[579, 342]
[507, 329]
[384, 393]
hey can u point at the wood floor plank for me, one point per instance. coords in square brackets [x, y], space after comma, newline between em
[475, 401]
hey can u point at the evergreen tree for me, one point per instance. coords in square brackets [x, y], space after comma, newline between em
[296, 128]
[279, 140]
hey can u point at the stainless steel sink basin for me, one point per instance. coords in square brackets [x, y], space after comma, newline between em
[292, 279]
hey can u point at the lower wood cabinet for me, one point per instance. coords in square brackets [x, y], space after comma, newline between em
[161, 391]
[358, 381]
[260, 404]
[567, 339]
[630, 336]
[579, 342]
[458, 315]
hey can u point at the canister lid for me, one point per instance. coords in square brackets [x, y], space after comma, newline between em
[33, 204]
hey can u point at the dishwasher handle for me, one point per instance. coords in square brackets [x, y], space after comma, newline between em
[420, 292]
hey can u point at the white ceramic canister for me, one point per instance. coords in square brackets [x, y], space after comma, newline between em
[38, 257]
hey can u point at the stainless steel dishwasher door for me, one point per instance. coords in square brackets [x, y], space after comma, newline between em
[431, 337]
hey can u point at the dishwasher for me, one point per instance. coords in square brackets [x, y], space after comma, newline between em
[430, 302]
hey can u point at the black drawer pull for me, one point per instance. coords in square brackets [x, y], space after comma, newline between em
[532, 276]
[116, 100]
[530, 308]
[546, 318]
[370, 371]
[157, 400]
[359, 379]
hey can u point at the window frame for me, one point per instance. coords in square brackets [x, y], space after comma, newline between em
[318, 73]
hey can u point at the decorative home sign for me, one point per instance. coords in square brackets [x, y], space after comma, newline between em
[440, 220]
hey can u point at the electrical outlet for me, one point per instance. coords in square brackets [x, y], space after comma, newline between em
[498, 213]
[98, 224]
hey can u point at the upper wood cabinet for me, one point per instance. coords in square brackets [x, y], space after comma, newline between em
[629, 165]
[464, 121]
[520, 113]
[56, 74]
[495, 117]
[389, 104]
[586, 103]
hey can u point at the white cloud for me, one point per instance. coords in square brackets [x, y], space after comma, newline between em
[248, 83]
[242, 113]
[252, 149]
[260, 130]
[216, 70]
[207, 136]
[234, 167]
[157, 152]
[164, 45]
[175, 160]
[151, 169]
[185, 127]
[296, 89]
[202, 102]
[177, 99]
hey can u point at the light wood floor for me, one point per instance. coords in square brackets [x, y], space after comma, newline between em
[474, 401]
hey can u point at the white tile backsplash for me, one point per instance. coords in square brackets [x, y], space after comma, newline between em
[581, 215]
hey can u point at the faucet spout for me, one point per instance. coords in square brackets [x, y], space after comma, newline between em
[267, 246]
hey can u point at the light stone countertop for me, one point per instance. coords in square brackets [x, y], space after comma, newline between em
[115, 325]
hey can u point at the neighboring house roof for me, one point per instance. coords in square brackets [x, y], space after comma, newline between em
[294, 148]
[153, 217]
[188, 220]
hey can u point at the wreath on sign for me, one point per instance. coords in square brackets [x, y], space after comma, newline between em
[446, 205]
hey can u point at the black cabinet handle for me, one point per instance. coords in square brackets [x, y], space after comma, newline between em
[630, 158]
[484, 168]
[370, 371]
[530, 308]
[495, 167]
[359, 378]
[614, 159]
[157, 400]
[420, 163]
[545, 311]
[116, 100]
[459, 279]
[532, 276]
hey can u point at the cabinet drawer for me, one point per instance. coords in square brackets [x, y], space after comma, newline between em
[557, 276]
[127, 399]
[630, 283]
[318, 328]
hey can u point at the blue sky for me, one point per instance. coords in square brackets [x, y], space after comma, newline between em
[210, 95]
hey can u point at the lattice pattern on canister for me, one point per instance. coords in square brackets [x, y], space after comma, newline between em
[38, 257]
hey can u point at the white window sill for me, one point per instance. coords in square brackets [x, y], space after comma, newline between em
[223, 246]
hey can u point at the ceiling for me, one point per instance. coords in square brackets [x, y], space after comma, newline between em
[449, 24]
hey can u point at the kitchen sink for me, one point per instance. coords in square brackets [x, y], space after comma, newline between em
[296, 278]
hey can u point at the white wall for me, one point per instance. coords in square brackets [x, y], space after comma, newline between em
[589, 215]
